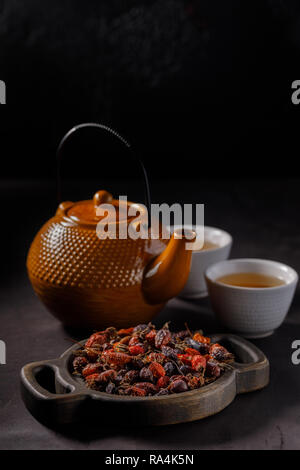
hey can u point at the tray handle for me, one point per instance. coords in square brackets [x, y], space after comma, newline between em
[251, 377]
[47, 406]
[253, 372]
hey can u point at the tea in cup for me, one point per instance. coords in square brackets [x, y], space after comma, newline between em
[251, 296]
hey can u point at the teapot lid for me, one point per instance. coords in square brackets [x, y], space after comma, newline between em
[85, 212]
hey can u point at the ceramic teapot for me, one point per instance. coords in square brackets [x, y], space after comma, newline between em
[88, 281]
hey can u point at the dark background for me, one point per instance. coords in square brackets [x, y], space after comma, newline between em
[200, 87]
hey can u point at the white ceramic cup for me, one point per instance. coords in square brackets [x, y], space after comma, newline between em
[249, 311]
[195, 286]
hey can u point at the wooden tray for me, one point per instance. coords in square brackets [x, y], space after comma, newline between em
[74, 402]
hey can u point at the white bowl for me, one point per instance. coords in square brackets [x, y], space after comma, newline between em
[251, 312]
[195, 286]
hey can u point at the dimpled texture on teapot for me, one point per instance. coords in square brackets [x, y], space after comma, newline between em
[74, 256]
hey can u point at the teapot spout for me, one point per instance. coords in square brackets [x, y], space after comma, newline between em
[166, 275]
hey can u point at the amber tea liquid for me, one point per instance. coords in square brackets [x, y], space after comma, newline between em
[250, 280]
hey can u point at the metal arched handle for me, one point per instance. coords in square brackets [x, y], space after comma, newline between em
[118, 137]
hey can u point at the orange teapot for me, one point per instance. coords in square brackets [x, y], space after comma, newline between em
[88, 281]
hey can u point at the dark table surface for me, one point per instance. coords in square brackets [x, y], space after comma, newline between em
[262, 216]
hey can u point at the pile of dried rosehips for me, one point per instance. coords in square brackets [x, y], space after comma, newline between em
[142, 361]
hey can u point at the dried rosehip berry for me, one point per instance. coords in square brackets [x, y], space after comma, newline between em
[201, 338]
[107, 376]
[192, 343]
[150, 337]
[184, 369]
[170, 368]
[185, 358]
[96, 338]
[198, 362]
[157, 369]
[208, 357]
[147, 386]
[203, 348]
[178, 377]
[131, 376]
[110, 388]
[116, 358]
[140, 327]
[108, 350]
[92, 354]
[111, 332]
[79, 363]
[182, 334]
[178, 386]
[194, 382]
[137, 363]
[120, 376]
[146, 374]
[156, 357]
[191, 351]
[120, 347]
[179, 349]
[162, 338]
[133, 340]
[135, 391]
[125, 340]
[90, 369]
[92, 381]
[212, 369]
[220, 353]
[169, 352]
[163, 381]
[125, 331]
[136, 349]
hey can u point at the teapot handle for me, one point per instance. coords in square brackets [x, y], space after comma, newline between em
[121, 139]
